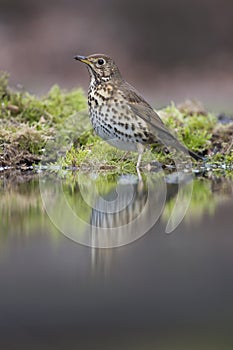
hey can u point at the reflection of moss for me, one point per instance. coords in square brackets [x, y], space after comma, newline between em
[22, 211]
[21, 207]
[81, 192]
[206, 195]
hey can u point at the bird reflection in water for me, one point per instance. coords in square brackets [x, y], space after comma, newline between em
[127, 211]
[102, 211]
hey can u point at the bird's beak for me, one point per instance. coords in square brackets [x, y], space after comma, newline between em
[82, 59]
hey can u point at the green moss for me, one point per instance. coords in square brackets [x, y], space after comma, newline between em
[3, 83]
[194, 130]
[51, 109]
[29, 122]
[56, 127]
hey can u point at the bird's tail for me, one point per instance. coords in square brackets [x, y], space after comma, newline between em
[179, 146]
[195, 156]
[171, 140]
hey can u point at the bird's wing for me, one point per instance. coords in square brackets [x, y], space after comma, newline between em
[143, 110]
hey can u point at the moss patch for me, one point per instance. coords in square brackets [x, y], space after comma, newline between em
[198, 130]
[55, 128]
[29, 122]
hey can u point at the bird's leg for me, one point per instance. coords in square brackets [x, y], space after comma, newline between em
[139, 160]
[140, 148]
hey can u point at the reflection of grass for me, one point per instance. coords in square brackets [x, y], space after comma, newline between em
[21, 208]
[22, 211]
[81, 192]
[205, 198]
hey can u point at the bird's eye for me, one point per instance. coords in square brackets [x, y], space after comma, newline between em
[101, 62]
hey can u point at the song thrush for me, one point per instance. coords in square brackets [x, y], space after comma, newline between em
[119, 114]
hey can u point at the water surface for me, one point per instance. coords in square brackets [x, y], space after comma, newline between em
[162, 291]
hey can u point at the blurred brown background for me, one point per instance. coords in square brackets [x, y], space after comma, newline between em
[168, 49]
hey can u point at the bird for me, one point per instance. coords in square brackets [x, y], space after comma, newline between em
[120, 115]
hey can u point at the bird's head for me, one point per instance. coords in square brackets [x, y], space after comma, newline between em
[101, 67]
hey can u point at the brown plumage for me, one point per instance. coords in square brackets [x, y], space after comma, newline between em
[119, 114]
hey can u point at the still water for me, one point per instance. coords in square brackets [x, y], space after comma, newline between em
[167, 284]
